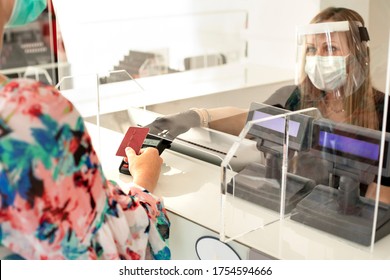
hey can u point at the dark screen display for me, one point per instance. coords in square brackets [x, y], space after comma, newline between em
[352, 146]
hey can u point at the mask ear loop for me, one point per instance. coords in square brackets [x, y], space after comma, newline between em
[13, 13]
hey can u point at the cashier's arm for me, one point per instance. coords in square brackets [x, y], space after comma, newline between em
[228, 119]
[384, 195]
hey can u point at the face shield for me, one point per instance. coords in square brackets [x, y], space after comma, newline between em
[332, 57]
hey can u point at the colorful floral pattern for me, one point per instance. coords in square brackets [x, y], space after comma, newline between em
[55, 201]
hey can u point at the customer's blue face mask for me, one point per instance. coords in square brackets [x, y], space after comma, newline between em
[26, 11]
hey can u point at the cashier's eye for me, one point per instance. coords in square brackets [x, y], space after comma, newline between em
[330, 50]
[311, 50]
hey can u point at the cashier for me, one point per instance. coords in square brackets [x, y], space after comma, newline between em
[334, 78]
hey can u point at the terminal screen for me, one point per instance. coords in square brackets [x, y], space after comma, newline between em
[276, 124]
[355, 147]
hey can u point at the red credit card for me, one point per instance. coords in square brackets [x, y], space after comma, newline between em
[134, 138]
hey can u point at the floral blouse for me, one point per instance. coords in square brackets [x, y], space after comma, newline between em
[55, 201]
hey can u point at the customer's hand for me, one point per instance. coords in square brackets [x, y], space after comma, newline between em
[170, 126]
[145, 167]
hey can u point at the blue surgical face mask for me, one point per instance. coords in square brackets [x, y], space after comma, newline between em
[26, 11]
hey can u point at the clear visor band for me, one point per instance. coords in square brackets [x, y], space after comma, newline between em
[323, 27]
[320, 28]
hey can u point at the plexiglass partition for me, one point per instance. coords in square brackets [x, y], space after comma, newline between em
[30, 51]
[149, 45]
[263, 192]
[119, 91]
[132, 53]
[100, 100]
[314, 171]
[353, 159]
[83, 92]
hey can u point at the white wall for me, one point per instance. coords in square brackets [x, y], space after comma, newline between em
[272, 29]
[360, 6]
[379, 23]
[98, 33]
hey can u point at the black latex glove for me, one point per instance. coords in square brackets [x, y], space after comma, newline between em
[170, 126]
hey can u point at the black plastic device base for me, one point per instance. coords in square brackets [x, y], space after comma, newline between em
[150, 141]
[252, 185]
[124, 168]
[320, 209]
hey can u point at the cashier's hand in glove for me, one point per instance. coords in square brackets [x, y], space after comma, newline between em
[170, 126]
[145, 167]
[226, 119]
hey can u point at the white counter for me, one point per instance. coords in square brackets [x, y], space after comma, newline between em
[191, 190]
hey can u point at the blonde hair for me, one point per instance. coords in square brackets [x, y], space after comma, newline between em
[359, 104]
